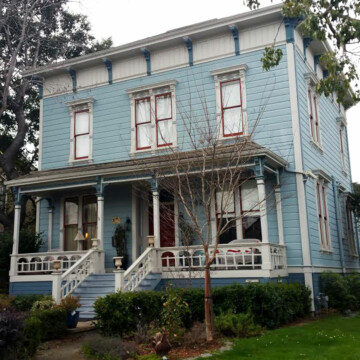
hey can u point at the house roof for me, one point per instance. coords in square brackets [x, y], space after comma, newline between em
[176, 36]
[247, 150]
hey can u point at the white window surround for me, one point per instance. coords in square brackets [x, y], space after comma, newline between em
[151, 91]
[228, 74]
[323, 181]
[75, 106]
[313, 111]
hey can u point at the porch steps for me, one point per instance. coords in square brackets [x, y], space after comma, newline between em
[99, 285]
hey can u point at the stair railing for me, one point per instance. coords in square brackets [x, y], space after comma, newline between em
[138, 271]
[65, 284]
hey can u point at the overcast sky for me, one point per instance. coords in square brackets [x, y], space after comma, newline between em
[130, 20]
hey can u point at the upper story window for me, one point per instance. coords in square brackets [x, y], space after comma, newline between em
[313, 106]
[231, 101]
[81, 125]
[322, 208]
[153, 117]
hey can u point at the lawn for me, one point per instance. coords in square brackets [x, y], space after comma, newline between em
[332, 338]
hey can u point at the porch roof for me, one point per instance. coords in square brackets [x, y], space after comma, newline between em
[147, 165]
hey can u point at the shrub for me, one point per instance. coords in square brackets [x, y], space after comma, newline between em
[26, 302]
[6, 302]
[33, 334]
[53, 323]
[47, 304]
[271, 304]
[70, 304]
[339, 290]
[239, 325]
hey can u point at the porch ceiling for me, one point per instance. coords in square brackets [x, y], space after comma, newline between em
[133, 169]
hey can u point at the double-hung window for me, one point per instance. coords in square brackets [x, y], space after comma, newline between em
[350, 228]
[231, 101]
[342, 139]
[313, 106]
[323, 217]
[153, 117]
[81, 125]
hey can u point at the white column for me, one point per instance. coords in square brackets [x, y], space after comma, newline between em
[37, 221]
[15, 250]
[56, 287]
[100, 220]
[279, 215]
[50, 226]
[265, 250]
[119, 280]
[156, 217]
[134, 226]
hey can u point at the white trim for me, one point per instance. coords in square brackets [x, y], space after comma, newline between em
[57, 188]
[41, 121]
[37, 220]
[30, 278]
[61, 230]
[279, 215]
[176, 221]
[138, 89]
[134, 225]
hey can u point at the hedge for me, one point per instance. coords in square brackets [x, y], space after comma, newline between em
[272, 305]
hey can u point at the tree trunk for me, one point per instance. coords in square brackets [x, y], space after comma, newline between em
[208, 306]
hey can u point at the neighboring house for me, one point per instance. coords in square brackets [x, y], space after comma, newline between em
[98, 123]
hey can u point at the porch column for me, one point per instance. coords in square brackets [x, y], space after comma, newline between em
[15, 249]
[50, 225]
[100, 219]
[156, 216]
[279, 215]
[266, 255]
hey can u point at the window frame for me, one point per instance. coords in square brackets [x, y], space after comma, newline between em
[64, 218]
[82, 134]
[137, 124]
[78, 106]
[350, 232]
[152, 91]
[224, 75]
[159, 120]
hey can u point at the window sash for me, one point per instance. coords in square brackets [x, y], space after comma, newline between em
[323, 216]
[163, 119]
[81, 134]
[341, 132]
[143, 123]
[317, 132]
[231, 111]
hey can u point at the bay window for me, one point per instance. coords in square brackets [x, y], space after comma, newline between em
[231, 101]
[153, 117]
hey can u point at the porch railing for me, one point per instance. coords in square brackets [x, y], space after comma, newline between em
[43, 263]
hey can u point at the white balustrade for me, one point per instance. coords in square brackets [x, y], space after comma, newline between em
[43, 263]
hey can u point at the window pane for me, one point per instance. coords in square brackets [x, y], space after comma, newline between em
[164, 132]
[90, 209]
[81, 122]
[82, 146]
[163, 107]
[230, 232]
[249, 196]
[142, 111]
[143, 136]
[228, 205]
[231, 94]
[71, 211]
[70, 234]
[232, 121]
[252, 227]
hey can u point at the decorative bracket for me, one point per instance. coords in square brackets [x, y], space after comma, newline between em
[147, 57]
[108, 65]
[306, 42]
[39, 83]
[100, 186]
[235, 33]
[17, 195]
[189, 46]
[316, 61]
[72, 74]
[290, 25]
[259, 167]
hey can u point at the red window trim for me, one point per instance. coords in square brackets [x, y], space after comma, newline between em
[158, 120]
[311, 115]
[145, 122]
[320, 215]
[325, 217]
[82, 134]
[230, 107]
[64, 221]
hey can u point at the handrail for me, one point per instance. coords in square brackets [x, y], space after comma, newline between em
[78, 263]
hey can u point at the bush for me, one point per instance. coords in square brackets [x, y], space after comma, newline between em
[26, 302]
[239, 325]
[343, 291]
[70, 303]
[6, 302]
[271, 304]
[53, 323]
[33, 334]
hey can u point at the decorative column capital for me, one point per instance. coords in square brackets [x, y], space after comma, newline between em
[72, 74]
[147, 57]
[290, 25]
[259, 168]
[235, 33]
[189, 46]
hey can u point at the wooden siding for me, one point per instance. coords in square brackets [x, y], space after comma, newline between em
[31, 287]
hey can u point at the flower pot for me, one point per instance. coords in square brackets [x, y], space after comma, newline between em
[72, 319]
[118, 261]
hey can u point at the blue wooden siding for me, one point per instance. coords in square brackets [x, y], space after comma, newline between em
[30, 287]
[270, 183]
[329, 161]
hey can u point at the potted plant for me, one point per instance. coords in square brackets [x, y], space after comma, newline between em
[70, 304]
[119, 241]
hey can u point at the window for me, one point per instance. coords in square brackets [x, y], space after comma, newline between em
[240, 210]
[313, 106]
[153, 118]
[81, 120]
[350, 228]
[323, 221]
[342, 148]
[231, 101]
[83, 209]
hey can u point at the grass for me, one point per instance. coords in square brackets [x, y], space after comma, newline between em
[331, 338]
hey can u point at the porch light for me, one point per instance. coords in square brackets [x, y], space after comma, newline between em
[79, 236]
[151, 240]
[57, 264]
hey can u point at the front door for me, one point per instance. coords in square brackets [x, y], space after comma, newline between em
[167, 224]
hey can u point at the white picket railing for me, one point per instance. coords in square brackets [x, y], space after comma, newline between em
[74, 276]
[139, 270]
[228, 257]
[43, 263]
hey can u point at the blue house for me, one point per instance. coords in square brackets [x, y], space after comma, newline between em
[118, 120]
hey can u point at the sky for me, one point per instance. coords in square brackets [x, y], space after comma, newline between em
[130, 20]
